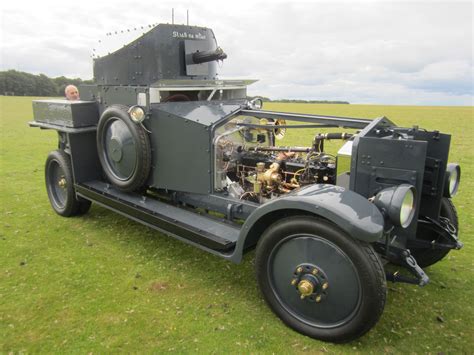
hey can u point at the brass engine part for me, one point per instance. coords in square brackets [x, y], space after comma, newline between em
[271, 175]
[266, 179]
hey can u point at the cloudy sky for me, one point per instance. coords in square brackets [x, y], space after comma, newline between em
[383, 52]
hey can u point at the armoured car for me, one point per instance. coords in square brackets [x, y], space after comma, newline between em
[160, 139]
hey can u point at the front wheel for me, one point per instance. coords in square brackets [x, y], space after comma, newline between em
[429, 256]
[319, 280]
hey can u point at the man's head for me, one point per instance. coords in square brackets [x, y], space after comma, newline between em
[71, 93]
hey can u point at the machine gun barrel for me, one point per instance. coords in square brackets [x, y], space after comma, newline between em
[209, 56]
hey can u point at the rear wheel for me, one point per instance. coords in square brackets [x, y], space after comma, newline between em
[320, 281]
[429, 256]
[60, 186]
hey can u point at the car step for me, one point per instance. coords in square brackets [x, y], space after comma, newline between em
[169, 219]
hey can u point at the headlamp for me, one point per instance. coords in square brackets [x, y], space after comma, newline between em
[398, 204]
[137, 114]
[256, 103]
[452, 179]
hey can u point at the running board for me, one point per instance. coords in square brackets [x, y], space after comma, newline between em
[174, 221]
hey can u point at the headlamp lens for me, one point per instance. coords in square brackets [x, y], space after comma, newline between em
[406, 210]
[453, 177]
[136, 114]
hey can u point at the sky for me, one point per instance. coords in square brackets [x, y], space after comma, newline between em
[384, 52]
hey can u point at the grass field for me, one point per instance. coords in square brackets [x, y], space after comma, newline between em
[102, 283]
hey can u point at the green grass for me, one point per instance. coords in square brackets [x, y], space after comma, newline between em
[103, 283]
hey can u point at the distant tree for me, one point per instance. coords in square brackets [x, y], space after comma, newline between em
[18, 83]
[3, 83]
[45, 86]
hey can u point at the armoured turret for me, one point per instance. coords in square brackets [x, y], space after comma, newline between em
[166, 52]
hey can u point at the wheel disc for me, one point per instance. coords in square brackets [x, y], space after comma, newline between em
[57, 184]
[338, 304]
[60, 186]
[124, 149]
[120, 151]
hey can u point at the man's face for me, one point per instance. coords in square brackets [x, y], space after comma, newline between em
[72, 93]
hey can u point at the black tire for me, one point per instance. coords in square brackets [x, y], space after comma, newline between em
[123, 148]
[355, 297]
[60, 186]
[428, 256]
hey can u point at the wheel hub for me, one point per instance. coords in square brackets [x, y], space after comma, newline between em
[310, 282]
[116, 149]
[62, 183]
[305, 287]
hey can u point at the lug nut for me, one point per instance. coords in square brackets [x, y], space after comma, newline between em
[293, 282]
[325, 285]
[302, 296]
[299, 270]
[318, 299]
[315, 271]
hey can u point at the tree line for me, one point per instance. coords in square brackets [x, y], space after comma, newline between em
[19, 83]
[299, 101]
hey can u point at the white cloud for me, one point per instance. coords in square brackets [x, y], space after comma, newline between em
[378, 52]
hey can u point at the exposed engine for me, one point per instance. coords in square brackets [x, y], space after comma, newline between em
[263, 175]
[259, 173]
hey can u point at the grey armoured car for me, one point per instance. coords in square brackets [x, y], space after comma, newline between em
[160, 139]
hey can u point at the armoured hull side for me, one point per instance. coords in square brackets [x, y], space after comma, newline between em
[184, 162]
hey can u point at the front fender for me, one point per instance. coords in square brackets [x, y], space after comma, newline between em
[351, 212]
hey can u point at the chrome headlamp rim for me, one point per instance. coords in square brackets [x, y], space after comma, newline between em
[452, 180]
[137, 114]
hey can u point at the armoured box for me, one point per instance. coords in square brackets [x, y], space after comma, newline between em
[66, 113]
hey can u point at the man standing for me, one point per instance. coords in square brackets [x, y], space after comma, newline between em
[71, 93]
